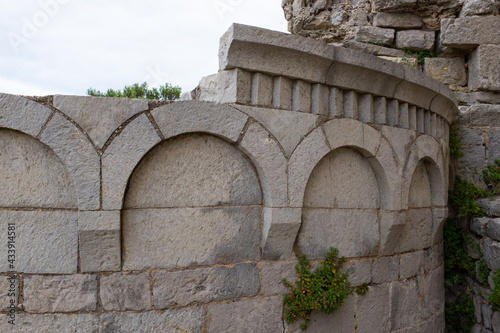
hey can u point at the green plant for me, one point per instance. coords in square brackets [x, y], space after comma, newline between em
[483, 271]
[166, 92]
[460, 313]
[324, 289]
[494, 297]
[408, 52]
[424, 54]
[457, 263]
[491, 177]
[455, 145]
[463, 197]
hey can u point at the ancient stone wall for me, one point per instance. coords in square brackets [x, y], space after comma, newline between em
[132, 217]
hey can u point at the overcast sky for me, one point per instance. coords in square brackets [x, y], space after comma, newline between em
[66, 46]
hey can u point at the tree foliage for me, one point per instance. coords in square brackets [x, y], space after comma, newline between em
[167, 92]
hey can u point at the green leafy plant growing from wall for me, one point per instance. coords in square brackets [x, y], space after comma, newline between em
[167, 92]
[463, 197]
[455, 145]
[457, 263]
[325, 289]
[460, 314]
[491, 177]
[483, 271]
[494, 297]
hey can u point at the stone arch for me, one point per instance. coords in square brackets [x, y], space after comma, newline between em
[39, 197]
[194, 199]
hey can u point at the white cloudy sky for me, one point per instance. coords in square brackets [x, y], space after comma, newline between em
[67, 46]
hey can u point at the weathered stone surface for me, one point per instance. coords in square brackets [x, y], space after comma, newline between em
[46, 241]
[360, 271]
[483, 65]
[433, 292]
[282, 93]
[9, 290]
[373, 49]
[375, 35]
[397, 20]
[494, 229]
[288, 127]
[474, 157]
[412, 264]
[341, 321]
[373, 313]
[193, 171]
[400, 140]
[446, 70]
[385, 269]
[279, 232]
[420, 188]
[125, 292]
[63, 323]
[79, 156]
[229, 86]
[100, 241]
[32, 174]
[320, 99]
[301, 96]
[99, 116]
[22, 114]
[322, 228]
[245, 316]
[392, 4]
[487, 97]
[122, 156]
[272, 273]
[162, 238]
[482, 115]
[342, 179]
[262, 89]
[493, 148]
[470, 137]
[170, 321]
[479, 7]
[490, 205]
[469, 32]
[495, 322]
[491, 251]
[60, 293]
[204, 285]
[479, 225]
[270, 163]
[417, 232]
[405, 304]
[416, 40]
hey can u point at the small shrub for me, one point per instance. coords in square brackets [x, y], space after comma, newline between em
[324, 289]
[483, 271]
[463, 197]
[455, 145]
[424, 54]
[457, 263]
[460, 314]
[494, 297]
[491, 177]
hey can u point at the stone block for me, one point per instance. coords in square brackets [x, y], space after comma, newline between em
[99, 116]
[392, 224]
[380, 110]
[341, 321]
[32, 174]
[495, 322]
[184, 237]
[404, 117]
[470, 137]
[417, 231]
[397, 20]
[469, 32]
[336, 102]
[262, 89]
[170, 321]
[203, 285]
[491, 252]
[363, 240]
[122, 156]
[100, 241]
[490, 205]
[125, 292]
[46, 241]
[366, 108]
[9, 290]
[474, 157]
[373, 313]
[432, 287]
[400, 141]
[375, 35]
[487, 97]
[288, 127]
[21, 114]
[320, 98]
[382, 5]
[405, 304]
[494, 229]
[481, 115]
[392, 113]
[301, 96]
[373, 49]
[360, 271]
[229, 86]
[61, 323]
[72, 293]
[245, 316]
[479, 225]
[446, 70]
[412, 264]
[79, 156]
[385, 269]
[282, 93]
[482, 67]
[479, 7]
[270, 163]
[194, 171]
[487, 312]
[493, 147]
[280, 231]
[272, 273]
[416, 40]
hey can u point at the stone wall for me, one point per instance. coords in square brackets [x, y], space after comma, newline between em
[133, 217]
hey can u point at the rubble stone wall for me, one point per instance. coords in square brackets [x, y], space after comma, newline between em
[133, 217]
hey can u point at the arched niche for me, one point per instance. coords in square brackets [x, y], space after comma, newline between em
[341, 205]
[192, 200]
[38, 197]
